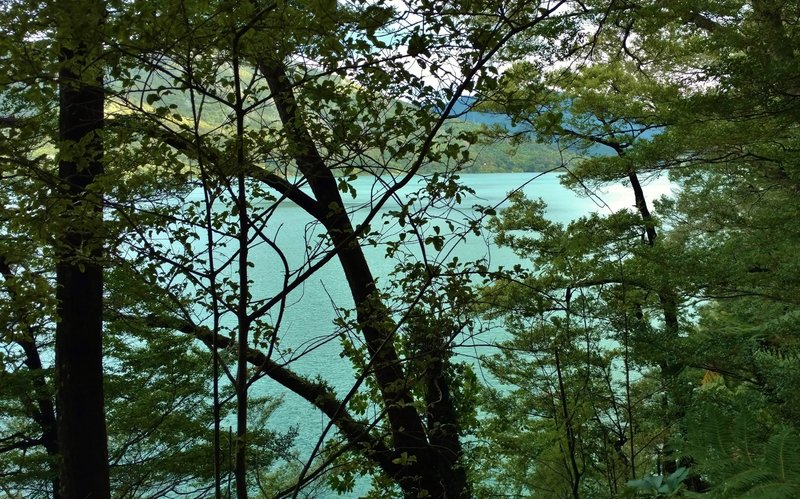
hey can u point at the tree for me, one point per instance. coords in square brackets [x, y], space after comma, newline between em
[76, 225]
[181, 138]
[79, 276]
[159, 413]
[55, 228]
[200, 108]
[704, 93]
[573, 372]
[332, 123]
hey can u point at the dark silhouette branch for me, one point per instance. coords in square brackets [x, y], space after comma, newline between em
[317, 394]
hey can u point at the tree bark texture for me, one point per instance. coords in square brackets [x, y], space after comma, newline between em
[81, 425]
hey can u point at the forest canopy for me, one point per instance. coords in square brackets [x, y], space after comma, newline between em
[176, 176]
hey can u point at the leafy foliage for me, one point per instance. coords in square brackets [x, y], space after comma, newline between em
[649, 350]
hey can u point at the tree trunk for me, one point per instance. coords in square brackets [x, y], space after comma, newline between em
[43, 413]
[431, 470]
[81, 426]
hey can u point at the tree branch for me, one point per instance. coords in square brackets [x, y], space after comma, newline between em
[317, 394]
[180, 143]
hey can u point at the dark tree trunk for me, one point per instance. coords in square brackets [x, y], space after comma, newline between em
[666, 296]
[79, 279]
[669, 304]
[641, 206]
[432, 471]
[443, 428]
[44, 414]
[42, 411]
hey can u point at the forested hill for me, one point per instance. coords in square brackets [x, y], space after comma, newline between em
[493, 153]
[498, 155]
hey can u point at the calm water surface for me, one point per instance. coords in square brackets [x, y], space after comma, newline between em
[311, 309]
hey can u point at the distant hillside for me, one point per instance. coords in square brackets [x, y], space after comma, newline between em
[501, 156]
[485, 156]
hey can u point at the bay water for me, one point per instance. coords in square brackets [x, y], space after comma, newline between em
[307, 332]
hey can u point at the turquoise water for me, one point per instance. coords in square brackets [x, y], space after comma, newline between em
[307, 327]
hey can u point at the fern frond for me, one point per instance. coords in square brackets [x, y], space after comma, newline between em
[782, 456]
[719, 436]
[747, 436]
[746, 480]
[773, 490]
